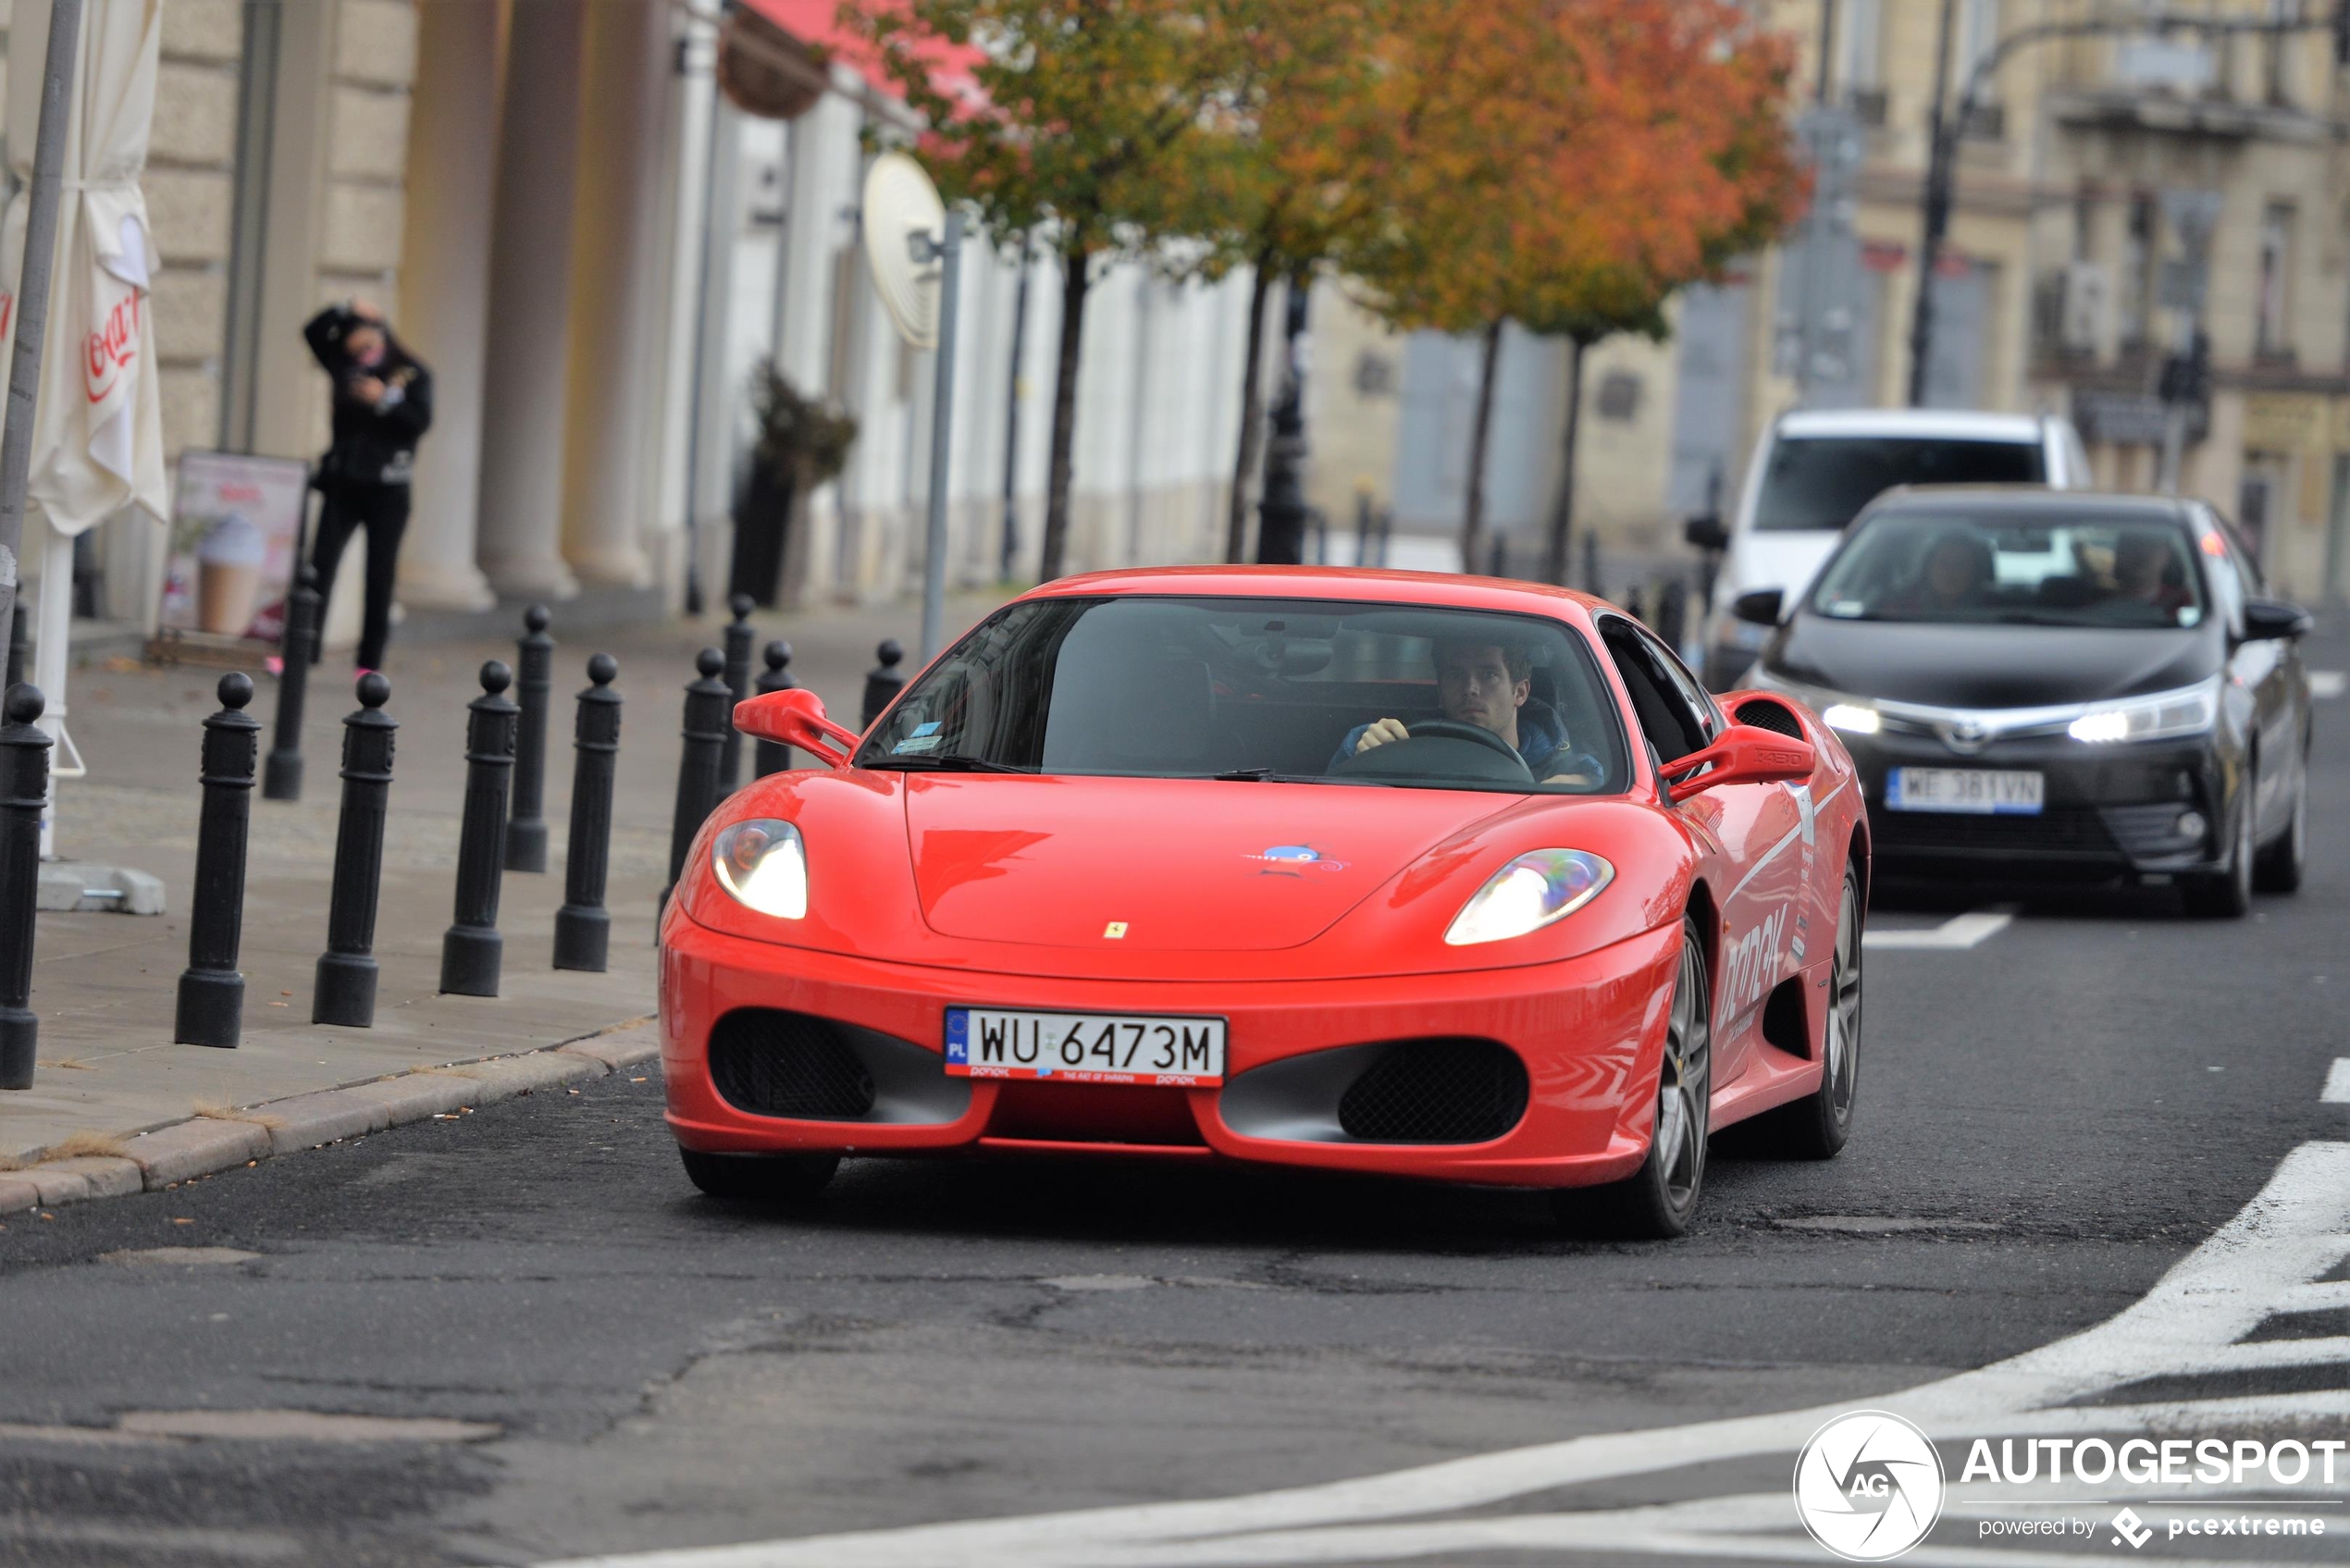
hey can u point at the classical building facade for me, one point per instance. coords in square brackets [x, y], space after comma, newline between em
[593, 246]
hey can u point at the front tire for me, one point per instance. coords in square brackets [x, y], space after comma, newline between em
[1656, 1203]
[1817, 1126]
[2278, 868]
[2227, 895]
[770, 1179]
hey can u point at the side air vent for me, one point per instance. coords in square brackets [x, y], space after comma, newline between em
[1436, 1091]
[1765, 714]
[778, 1064]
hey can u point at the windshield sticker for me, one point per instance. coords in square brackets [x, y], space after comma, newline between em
[918, 742]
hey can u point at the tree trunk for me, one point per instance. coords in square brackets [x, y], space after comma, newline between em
[1252, 415]
[1075, 267]
[1473, 517]
[1562, 510]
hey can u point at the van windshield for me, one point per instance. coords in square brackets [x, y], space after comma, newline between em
[1823, 481]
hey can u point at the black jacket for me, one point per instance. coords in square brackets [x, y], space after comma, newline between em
[374, 443]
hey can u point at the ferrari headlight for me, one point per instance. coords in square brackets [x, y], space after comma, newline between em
[764, 863]
[2190, 711]
[1528, 894]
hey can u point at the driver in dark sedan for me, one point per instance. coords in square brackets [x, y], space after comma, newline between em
[1489, 685]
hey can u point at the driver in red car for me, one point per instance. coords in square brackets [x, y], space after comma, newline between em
[1489, 685]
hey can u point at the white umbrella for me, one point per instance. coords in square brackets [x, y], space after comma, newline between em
[97, 445]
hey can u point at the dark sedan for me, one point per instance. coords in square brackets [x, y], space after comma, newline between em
[2059, 686]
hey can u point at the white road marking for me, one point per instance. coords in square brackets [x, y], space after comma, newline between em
[2337, 1090]
[2328, 682]
[2265, 1260]
[1954, 934]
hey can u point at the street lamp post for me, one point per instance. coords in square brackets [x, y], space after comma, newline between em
[1281, 536]
[1944, 130]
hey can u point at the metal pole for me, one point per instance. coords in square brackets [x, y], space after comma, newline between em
[33, 291]
[212, 993]
[582, 926]
[942, 421]
[1010, 551]
[534, 687]
[1827, 44]
[740, 636]
[774, 756]
[1280, 530]
[1936, 215]
[24, 790]
[471, 948]
[281, 771]
[709, 712]
[345, 990]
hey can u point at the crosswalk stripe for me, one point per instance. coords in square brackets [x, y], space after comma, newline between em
[2337, 1090]
[2264, 1261]
[1954, 934]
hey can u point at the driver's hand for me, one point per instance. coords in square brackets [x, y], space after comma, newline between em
[1380, 733]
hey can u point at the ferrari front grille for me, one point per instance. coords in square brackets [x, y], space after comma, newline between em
[777, 1064]
[1436, 1091]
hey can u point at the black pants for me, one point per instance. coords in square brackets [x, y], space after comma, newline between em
[382, 510]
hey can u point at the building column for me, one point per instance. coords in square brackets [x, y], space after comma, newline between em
[615, 307]
[522, 420]
[444, 291]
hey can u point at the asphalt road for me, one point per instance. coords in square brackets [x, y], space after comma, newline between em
[606, 1363]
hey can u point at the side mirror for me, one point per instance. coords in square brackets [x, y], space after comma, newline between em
[2269, 619]
[797, 718]
[1705, 532]
[1741, 754]
[1760, 606]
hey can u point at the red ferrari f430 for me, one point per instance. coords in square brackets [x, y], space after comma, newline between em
[1373, 872]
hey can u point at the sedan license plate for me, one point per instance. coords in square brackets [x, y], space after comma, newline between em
[1971, 790]
[1182, 1053]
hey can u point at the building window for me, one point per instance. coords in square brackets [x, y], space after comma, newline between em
[1859, 48]
[1978, 35]
[2276, 54]
[2271, 340]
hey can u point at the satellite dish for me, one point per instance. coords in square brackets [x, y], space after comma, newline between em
[904, 221]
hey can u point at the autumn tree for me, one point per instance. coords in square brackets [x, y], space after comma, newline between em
[1570, 164]
[1081, 117]
[1289, 169]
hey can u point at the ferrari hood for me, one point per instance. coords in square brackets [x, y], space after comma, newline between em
[1163, 864]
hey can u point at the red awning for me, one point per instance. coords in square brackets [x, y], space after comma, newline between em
[816, 22]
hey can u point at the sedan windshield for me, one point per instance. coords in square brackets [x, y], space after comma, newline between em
[1246, 690]
[2045, 570]
[1823, 481]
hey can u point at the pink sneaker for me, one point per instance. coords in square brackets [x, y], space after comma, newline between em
[274, 664]
[363, 669]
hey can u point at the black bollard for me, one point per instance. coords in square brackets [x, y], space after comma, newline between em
[281, 778]
[534, 687]
[470, 948]
[345, 991]
[24, 785]
[707, 705]
[883, 682]
[212, 993]
[740, 635]
[774, 756]
[582, 928]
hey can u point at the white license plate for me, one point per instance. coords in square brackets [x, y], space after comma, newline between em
[1973, 791]
[1179, 1053]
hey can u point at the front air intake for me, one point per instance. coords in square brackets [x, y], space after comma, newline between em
[1436, 1091]
[1765, 714]
[778, 1064]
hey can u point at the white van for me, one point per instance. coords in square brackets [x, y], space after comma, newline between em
[1813, 473]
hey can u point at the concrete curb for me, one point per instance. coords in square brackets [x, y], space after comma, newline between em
[183, 1151]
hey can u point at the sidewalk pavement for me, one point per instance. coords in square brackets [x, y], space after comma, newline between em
[116, 1106]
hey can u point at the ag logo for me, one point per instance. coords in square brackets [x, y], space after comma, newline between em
[1868, 1486]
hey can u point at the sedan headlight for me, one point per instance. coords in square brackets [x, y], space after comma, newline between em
[1851, 718]
[764, 863]
[2190, 711]
[1528, 894]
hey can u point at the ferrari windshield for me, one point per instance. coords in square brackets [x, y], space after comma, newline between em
[1251, 689]
[2061, 569]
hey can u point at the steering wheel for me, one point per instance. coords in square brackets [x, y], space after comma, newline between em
[1447, 729]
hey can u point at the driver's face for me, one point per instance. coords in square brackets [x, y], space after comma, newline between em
[1474, 688]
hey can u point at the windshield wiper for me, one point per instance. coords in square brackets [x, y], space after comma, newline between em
[1266, 776]
[946, 762]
